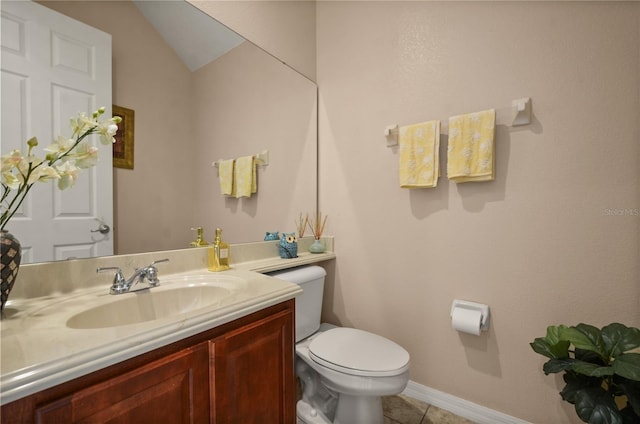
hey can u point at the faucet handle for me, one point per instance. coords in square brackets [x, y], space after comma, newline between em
[152, 272]
[119, 281]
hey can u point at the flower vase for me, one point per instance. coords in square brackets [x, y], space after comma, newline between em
[11, 255]
[317, 246]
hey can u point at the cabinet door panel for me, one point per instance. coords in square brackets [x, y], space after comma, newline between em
[253, 373]
[173, 389]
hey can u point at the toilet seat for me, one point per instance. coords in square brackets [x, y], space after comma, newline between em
[357, 352]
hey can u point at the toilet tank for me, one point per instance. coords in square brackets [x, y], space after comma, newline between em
[309, 303]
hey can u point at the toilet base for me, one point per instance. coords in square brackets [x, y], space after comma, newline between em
[359, 410]
[350, 410]
[307, 414]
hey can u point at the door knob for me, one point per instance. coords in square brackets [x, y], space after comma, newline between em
[102, 229]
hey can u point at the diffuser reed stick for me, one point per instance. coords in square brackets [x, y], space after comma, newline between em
[301, 225]
[317, 225]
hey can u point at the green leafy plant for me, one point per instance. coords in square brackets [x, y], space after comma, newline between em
[601, 373]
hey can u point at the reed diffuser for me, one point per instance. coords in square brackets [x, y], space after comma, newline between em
[317, 228]
[301, 225]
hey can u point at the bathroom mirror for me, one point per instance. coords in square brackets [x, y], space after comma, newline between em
[243, 103]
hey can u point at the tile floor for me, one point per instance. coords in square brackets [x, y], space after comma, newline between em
[405, 410]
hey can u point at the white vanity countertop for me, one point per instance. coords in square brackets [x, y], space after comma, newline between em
[39, 350]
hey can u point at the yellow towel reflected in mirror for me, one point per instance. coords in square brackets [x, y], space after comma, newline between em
[244, 176]
[225, 174]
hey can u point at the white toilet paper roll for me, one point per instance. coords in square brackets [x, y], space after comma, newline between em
[466, 320]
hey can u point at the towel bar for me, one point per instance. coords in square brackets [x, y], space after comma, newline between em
[262, 159]
[519, 112]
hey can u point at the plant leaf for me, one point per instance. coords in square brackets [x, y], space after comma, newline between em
[629, 416]
[556, 365]
[588, 356]
[594, 406]
[553, 334]
[584, 336]
[553, 350]
[591, 370]
[575, 383]
[618, 338]
[628, 366]
[631, 390]
[605, 414]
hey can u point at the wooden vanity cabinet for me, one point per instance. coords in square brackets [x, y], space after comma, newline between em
[240, 372]
[253, 373]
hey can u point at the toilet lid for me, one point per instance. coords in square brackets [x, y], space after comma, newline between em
[358, 352]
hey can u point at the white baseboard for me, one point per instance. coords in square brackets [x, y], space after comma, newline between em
[463, 408]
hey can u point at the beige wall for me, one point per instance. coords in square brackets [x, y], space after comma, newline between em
[537, 244]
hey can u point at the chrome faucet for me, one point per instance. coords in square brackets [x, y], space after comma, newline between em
[121, 285]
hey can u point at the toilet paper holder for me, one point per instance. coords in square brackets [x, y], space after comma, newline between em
[484, 311]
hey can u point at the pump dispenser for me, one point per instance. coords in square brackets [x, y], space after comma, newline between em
[218, 254]
[199, 241]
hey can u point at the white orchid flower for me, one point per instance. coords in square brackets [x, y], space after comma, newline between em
[10, 180]
[85, 155]
[68, 174]
[81, 124]
[44, 173]
[64, 159]
[108, 129]
[60, 145]
[12, 160]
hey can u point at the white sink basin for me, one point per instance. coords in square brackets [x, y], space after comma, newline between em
[172, 298]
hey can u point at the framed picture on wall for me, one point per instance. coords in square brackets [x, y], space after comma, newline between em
[123, 147]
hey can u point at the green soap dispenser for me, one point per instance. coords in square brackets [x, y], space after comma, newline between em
[218, 254]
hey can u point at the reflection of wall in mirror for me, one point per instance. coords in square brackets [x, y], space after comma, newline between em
[149, 78]
[253, 103]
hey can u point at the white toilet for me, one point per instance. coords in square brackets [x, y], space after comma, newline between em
[343, 371]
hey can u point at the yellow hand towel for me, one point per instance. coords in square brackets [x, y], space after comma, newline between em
[419, 160]
[245, 183]
[225, 174]
[471, 147]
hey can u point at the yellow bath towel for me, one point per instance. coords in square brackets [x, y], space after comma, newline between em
[419, 160]
[245, 183]
[471, 147]
[225, 175]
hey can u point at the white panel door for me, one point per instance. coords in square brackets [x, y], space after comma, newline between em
[54, 67]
